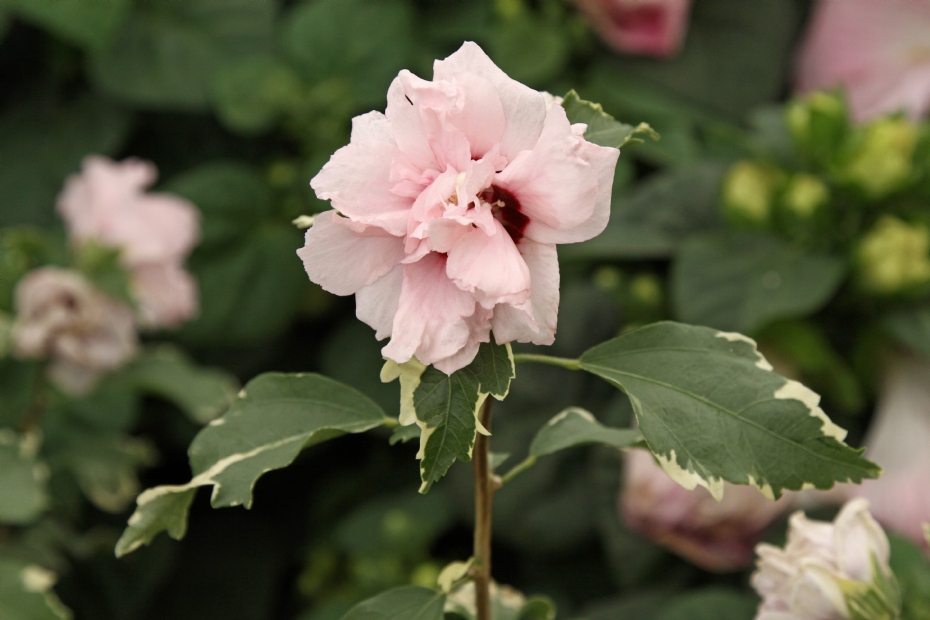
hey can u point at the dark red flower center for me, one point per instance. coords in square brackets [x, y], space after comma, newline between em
[506, 208]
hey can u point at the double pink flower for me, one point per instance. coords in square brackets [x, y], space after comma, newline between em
[448, 207]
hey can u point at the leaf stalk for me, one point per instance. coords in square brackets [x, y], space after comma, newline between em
[564, 362]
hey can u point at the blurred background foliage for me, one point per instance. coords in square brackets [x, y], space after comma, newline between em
[240, 102]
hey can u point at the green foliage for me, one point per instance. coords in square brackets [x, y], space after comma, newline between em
[602, 128]
[911, 328]
[576, 427]
[770, 280]
[26, 593]
[17, 385]
[255, 93]
[695, 389]
[412, 602]
[23, 479]
[272, 420]
[88, 24]
[912, 571]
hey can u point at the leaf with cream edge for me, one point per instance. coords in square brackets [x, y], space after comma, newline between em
[603, 129]
[445, 407]
[577, 427]
[266, 427]
[711, 409]
[407, 603]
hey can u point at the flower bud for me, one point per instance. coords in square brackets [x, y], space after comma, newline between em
[828, 571]
[882, 159]
[894, 256]
[805, 194]
[748, 191]
[818, 123]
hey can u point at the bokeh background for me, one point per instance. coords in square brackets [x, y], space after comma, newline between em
[747, 215]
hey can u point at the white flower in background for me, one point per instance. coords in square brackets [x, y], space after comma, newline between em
[154, 232]
[60, 316]
[828, 571]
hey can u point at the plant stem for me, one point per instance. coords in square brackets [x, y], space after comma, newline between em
[484, 495]
[518, 469]
[564, 362]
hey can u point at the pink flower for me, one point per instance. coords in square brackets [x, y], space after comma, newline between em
[717, 536]
[878, 50]
[447, 209]
[107, 204]
[899, 442]
[646, 27]
[810, 578]
[61, 316]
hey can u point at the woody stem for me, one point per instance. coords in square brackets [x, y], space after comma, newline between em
[484, 494]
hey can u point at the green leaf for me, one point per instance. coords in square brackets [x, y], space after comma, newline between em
[168, 53]
[653, 219]
[603, 129]
[17, 381]
[741, 282]
[26, 592]
[529, 49]
[711, 409]
[42, 144]
[23, 478]
[251, 95]
[403, 434]
[324, 39]
[446, 408]
[911, 328]
[275, 416]
[408, 603]
[202, 393]
[494, 368]
[713, 603]
[162, 509]
[88, 24]
[577, 427]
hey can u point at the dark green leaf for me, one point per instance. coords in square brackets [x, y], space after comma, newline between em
[603, 129]
[446, 406]
[403, 434]
[23, 478]
[714, 603]
[576, 427]
[409, 603]
[162, 509]
[494, 368]
[741, 282]
[17, 382]
[26, 593]
[251, 95]
[202, 393]
[89, 24]
[273, 419]
[711, 409]
[911, 328]
[654, 218]
[529, 49]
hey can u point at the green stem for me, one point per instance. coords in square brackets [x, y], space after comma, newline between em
[518, 469]
[564, 362]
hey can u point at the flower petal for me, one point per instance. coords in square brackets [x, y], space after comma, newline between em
[376, 304]
[490, 266]
[524, 108]
[166, 293]
[534, 322]
[342, 257]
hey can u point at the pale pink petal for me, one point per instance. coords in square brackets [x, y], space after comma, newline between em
[342, 260]
[490, 266]
[537, 322]
[524, 108]
[648, 27]
[407, 124]
[479, 330]
[155, 228]
[481, 117]
[376, 304]
[878, 51]
[431, 315]
[166, 294]
[554, 183]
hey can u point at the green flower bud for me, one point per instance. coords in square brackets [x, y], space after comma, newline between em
[748, 190]
[818, 123]
[894, 256]
[608, 278]
[805, 194]
[882, 160]
[646, 289]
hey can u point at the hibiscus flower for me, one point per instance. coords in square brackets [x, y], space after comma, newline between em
[447, 209]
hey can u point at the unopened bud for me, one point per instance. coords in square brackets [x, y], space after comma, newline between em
[882, 160]
[818, 123]
[748, 190]
[646, 289]
[894, 256]
[805, 194]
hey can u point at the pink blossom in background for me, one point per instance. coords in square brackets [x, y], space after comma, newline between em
[62, 317]
[899, 442]
[878, 50]
[647, 27]
[717, 536]
[155, 232]
[447, 209]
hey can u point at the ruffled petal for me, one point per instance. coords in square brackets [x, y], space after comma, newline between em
[431, 314]
[167, 294]
[154, 228]
[343, 260]
[524, 108]
[490, 266]
[479, 330]
[536, 321]
[376, 304]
